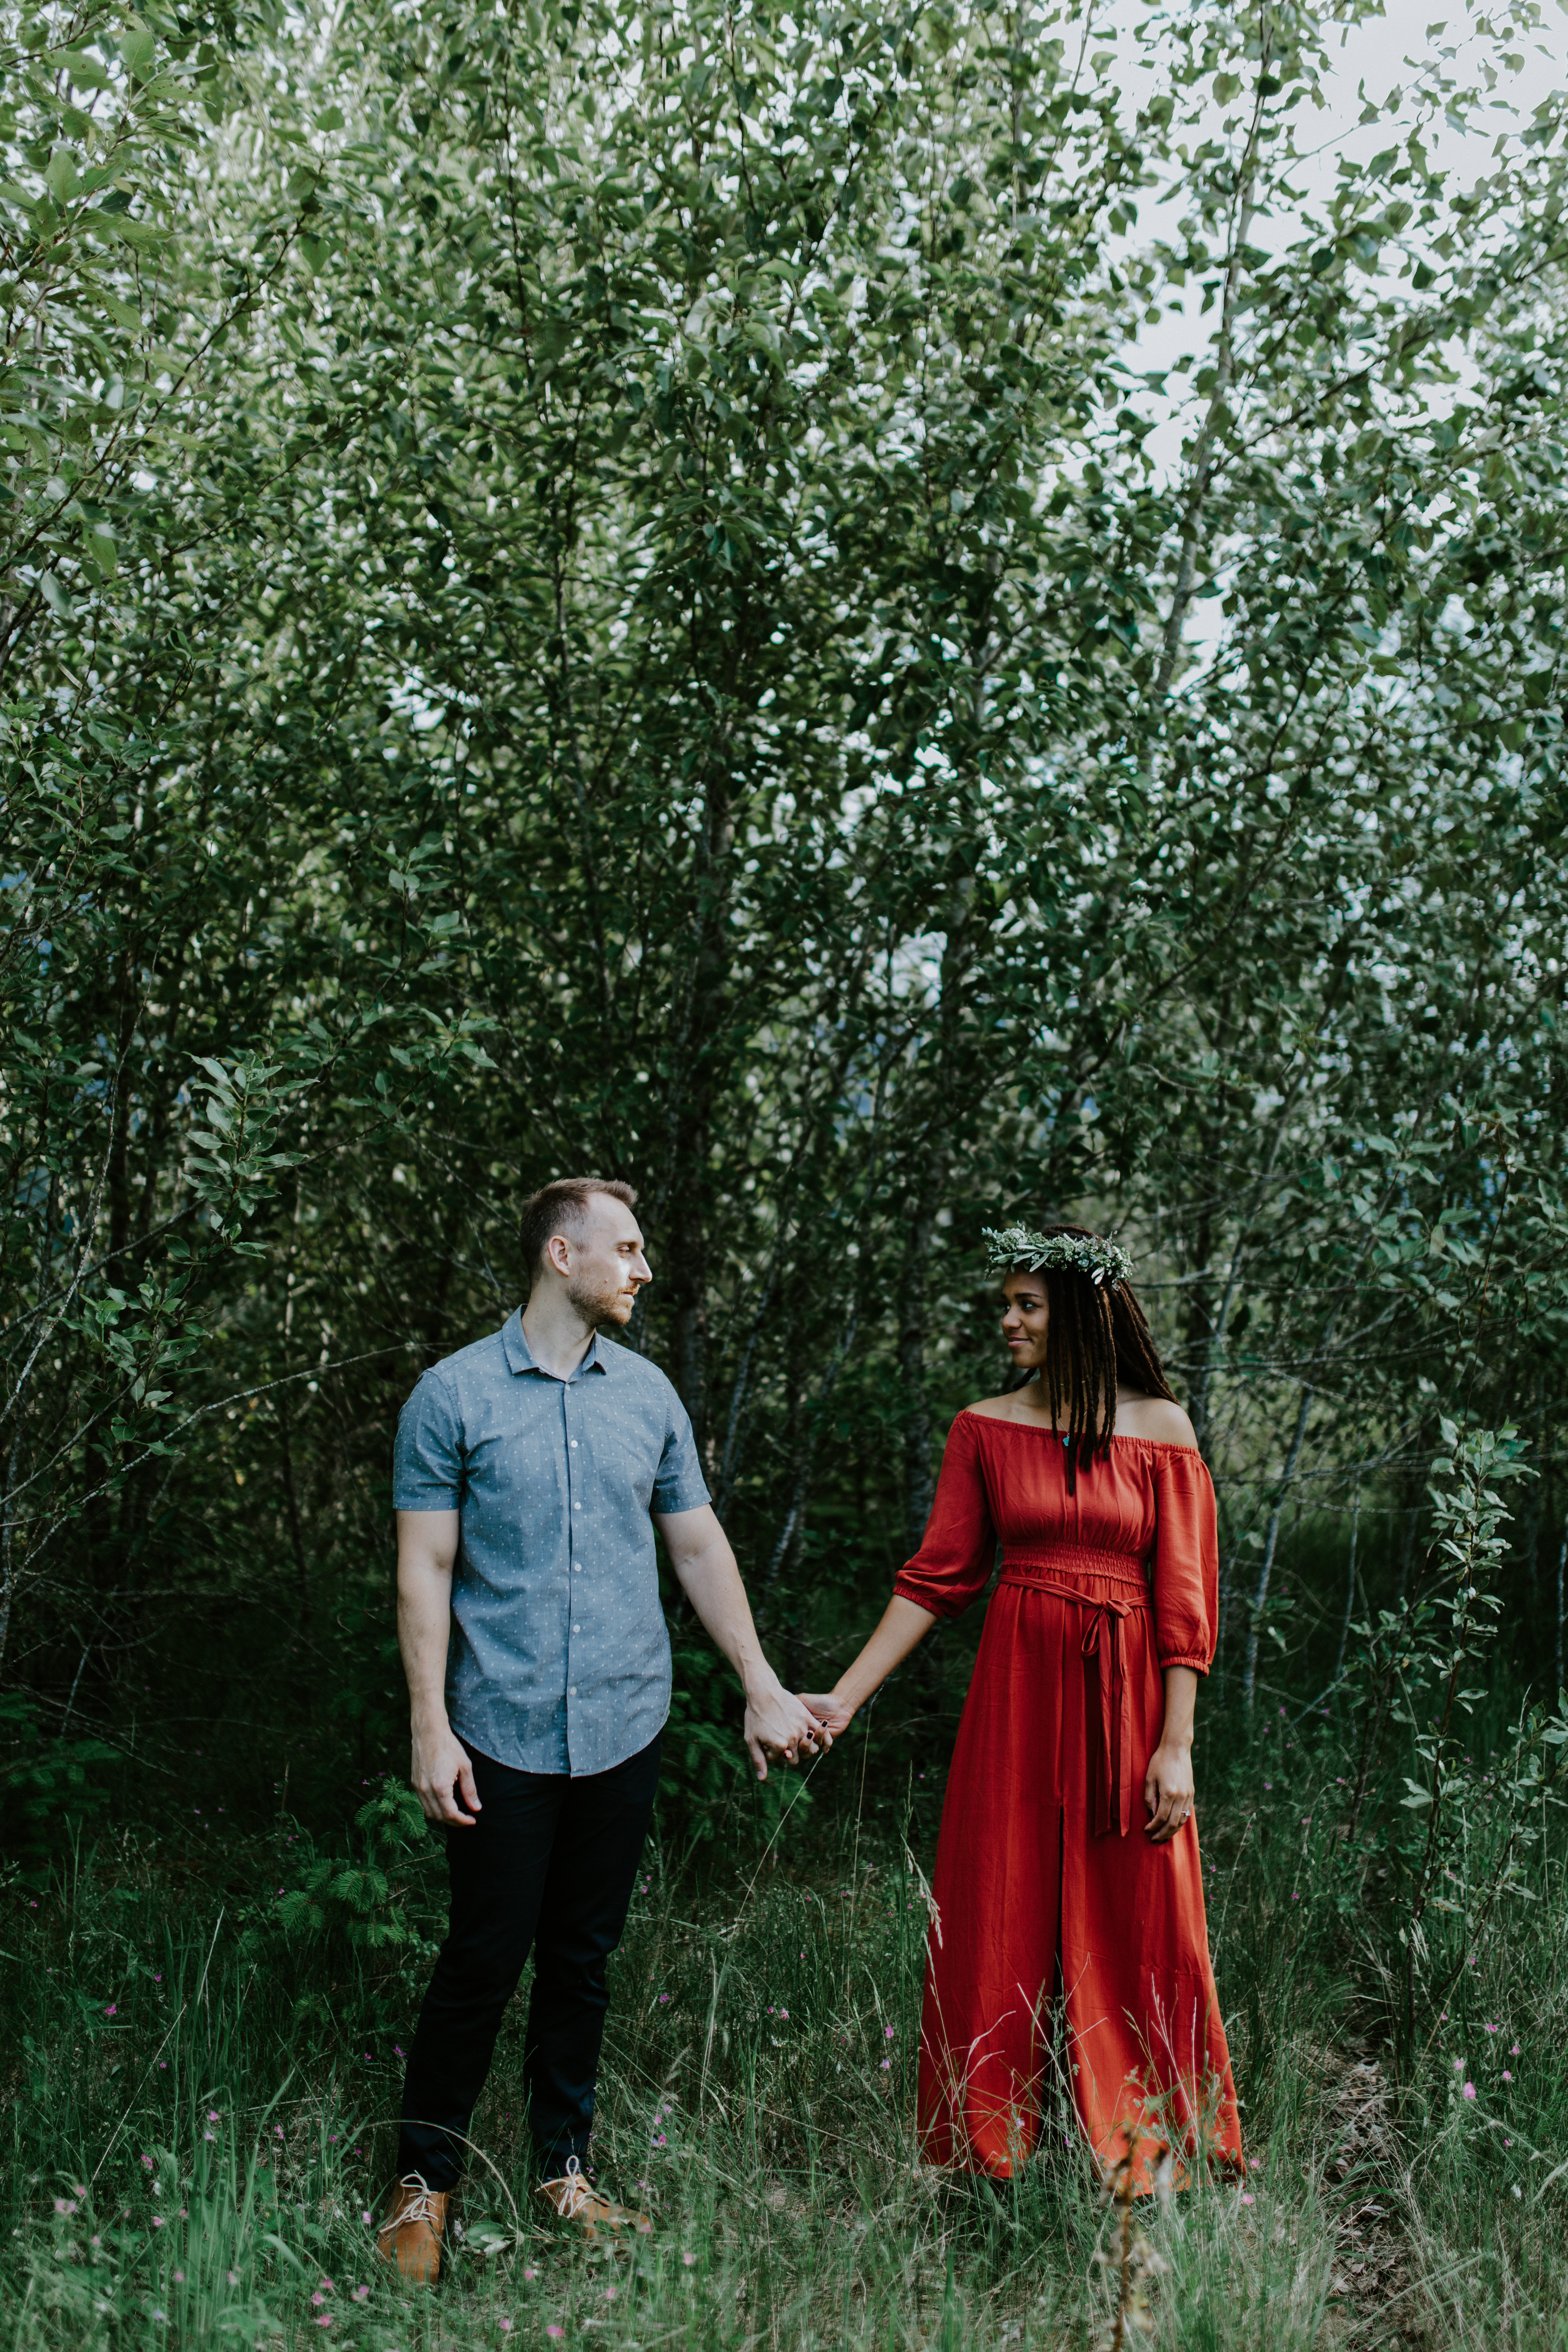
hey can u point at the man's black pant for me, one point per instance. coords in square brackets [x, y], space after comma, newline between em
[550, 1863]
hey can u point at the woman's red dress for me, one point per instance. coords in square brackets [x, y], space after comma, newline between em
[1046, 1880]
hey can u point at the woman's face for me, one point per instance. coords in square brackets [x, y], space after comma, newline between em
[1026, 1314]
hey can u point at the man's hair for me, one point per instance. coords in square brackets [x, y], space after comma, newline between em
[560, 1208]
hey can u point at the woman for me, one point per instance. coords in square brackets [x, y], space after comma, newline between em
[1102, 1620]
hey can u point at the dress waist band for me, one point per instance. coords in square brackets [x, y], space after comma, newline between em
[1057, 1568]
[1065, 1562]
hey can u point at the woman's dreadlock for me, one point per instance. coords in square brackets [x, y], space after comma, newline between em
[1096, 1334]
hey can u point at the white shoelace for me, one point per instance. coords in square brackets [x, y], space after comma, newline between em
[571, 2192]
[422, 2208]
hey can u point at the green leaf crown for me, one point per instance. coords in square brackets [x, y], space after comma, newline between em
[1017, 1249]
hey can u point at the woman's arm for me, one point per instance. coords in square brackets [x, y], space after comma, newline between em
[903, 1627]
[1168, 1782]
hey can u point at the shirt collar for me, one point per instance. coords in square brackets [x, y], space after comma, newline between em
[519, 1355]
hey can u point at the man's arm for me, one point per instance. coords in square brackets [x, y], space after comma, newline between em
[426, 1551]
[700, 1555]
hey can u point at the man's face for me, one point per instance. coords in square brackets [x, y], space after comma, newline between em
[605, 1266]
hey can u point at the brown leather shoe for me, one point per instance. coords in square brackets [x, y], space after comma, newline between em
[412, 2232]
[579, 2201]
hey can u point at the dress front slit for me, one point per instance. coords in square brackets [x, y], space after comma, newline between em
[1044, 1872]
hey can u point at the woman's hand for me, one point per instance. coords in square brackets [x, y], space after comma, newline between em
[834, 1713]
[904, 1624]
[1168, 1790]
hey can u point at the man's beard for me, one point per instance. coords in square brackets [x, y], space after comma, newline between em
[596, 1302]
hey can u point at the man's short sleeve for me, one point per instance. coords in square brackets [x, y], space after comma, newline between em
[679, 1484]
[427, 1463]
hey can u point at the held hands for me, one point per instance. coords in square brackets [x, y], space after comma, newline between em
[1168, 1790]
[832, 1712]
[440, 1770]
[779, 1725]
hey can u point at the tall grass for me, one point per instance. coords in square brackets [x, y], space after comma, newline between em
[199, 2119]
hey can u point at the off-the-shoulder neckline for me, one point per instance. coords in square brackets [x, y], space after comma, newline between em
[1118, 1436]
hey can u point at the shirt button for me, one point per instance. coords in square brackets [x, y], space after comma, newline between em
[574, 1440]
[576, 1568]
[572, 1694]
[576, 1629]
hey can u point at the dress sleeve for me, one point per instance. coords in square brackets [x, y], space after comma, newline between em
[953, 1564]
[1186, 1559]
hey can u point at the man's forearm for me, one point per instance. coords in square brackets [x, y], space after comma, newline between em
[711, 1582]
[424, 1620]
[427, 1555]
[440, 1765]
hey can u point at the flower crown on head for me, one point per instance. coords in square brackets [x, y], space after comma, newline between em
[1017, 1249]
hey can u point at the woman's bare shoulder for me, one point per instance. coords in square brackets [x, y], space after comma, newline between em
[995, 1408]
[1158, 1419]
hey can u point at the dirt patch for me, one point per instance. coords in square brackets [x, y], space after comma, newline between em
[1374, 2299]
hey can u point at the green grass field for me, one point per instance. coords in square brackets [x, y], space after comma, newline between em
[197, 2115]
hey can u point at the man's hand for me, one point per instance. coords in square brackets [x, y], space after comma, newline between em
[439, 1765]
[778, 1725]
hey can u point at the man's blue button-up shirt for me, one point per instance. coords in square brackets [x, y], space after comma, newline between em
[560, 1658]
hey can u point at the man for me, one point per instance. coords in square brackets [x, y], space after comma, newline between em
[532, 1469]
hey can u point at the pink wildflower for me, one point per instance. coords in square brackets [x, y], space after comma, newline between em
[1469, 2090]
[1248, 2198]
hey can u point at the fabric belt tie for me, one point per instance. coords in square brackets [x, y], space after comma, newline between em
[1106, 1695]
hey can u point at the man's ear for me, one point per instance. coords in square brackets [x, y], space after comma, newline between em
[558, 1254]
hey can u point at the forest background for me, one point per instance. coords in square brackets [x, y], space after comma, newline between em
[584, 588]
